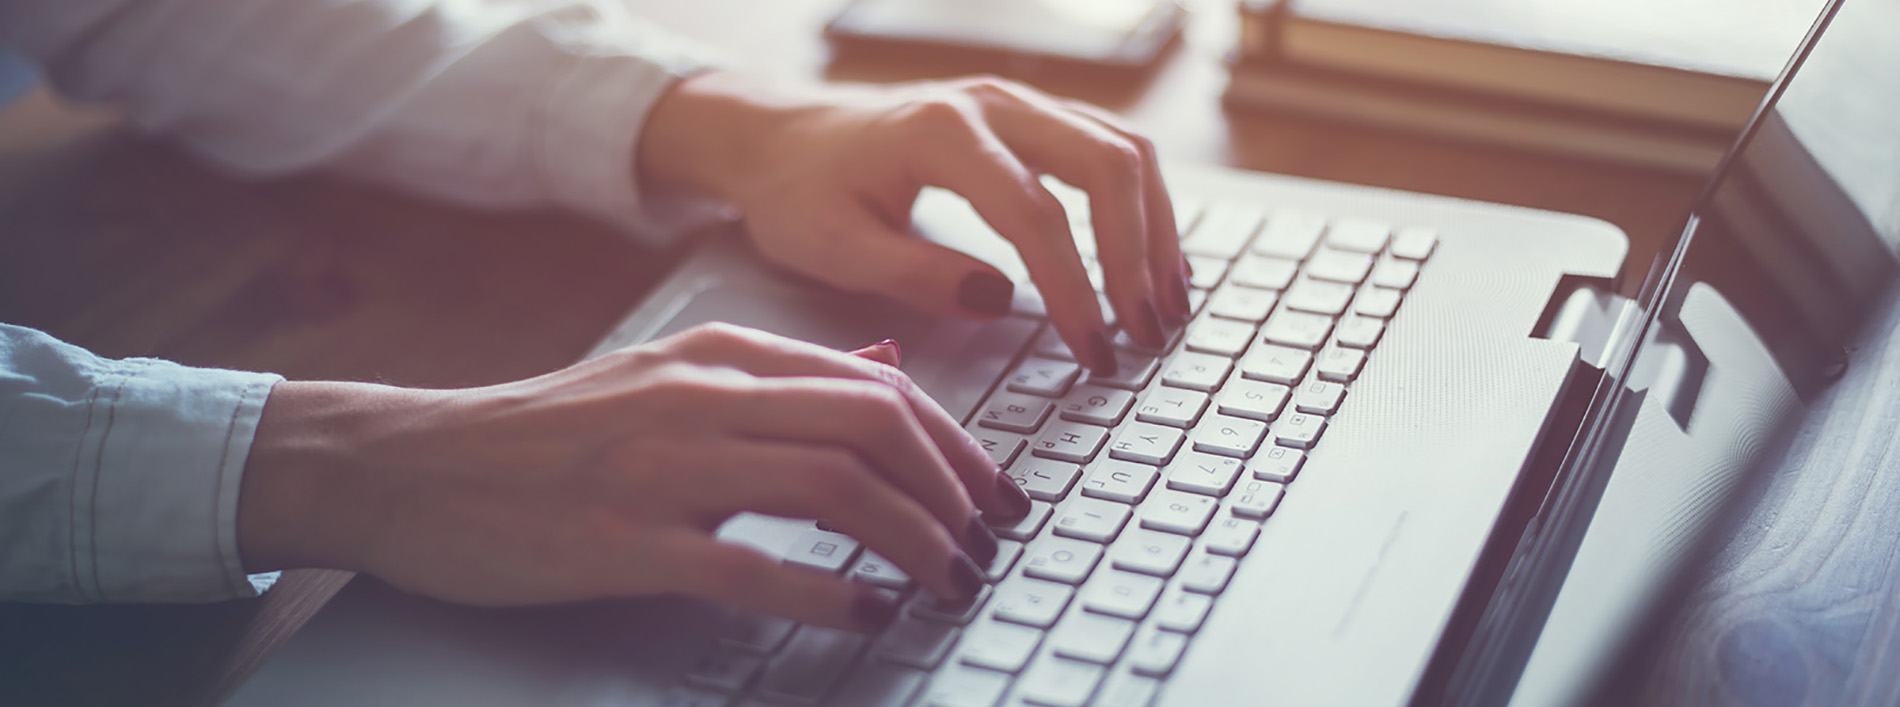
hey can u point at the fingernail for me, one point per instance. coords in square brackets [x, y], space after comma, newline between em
[1101, 357]
[985, 293]
[1183, 305]
[897, 352]
[965, 577]
[1151, 320]
[1014, 500]
[979, 541]
[873, 611]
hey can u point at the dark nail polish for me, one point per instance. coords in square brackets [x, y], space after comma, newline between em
[873, 611]
[966, 577]
[985, 294]
[978, 541]
[897, 352]
[1183, 306]
[1101, 357]
[1157, 337]
[1013, 501]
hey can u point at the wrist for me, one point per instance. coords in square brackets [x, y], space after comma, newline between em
[310, 495]
[710, 134]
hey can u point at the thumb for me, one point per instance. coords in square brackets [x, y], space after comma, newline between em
[886, 352]
[867, 255]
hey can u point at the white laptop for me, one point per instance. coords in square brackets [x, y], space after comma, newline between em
[1362, 475]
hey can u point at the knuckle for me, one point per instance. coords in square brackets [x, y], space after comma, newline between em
[940, 116]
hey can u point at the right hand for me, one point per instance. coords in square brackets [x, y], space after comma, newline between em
[607, 478]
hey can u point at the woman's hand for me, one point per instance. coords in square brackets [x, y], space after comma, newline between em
[826, 178]
[607, 479]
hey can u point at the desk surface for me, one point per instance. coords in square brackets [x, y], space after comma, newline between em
[127, 247]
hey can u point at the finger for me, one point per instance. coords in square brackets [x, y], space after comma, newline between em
[753, 581]
[808, 481]
[765, 355]
[862, 253]
[1109, 167]
[886, 352]
[953, 149]
[1165, 260]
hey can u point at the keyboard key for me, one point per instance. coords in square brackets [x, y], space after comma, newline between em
[1174, 407]
[823, 551]
[1377, 302]
[1278, 464]
[1117, 480]
[1220, 337]
[1262, 272]
[1207, 573]
[1290, 235]
[1396, 274]
[1182, 611]
[810, 664]
[1155, 652]
[1096, 405]
[1054, 682]
[1001, 446]
[1124, 340]
[1049, 344]
[1231, 536]
[1340, 365]
[1125, 689]
[1205, 474]
[1319, 297]
[1339, 266]
[1133, 371]
[1031, 602]
[1414, 243]
[1299, 430]
[1252, 399]
[1091, 637]
[1363, 235]
[873, 569]
[1187, 212]
[1256, 499]
[1197, 371]
[1275, 364]
[930, 607]
[966, 687]
[755, 633]
[1122, 594]
[725, 671]
[1178, 512]
[1149, 552]
[1027, 302]
[1196, 300]
[1204, 273]
[1026, 528]
[1048, 378]
[916, 643]
[1242, 303]
[1062, 560]
[878, 683]
[1300, 330]
[1015, 412]
[1359, 332]
[1145, 443]
[1235, 437]
[1319, 397]
[1045, 479]
[1070, 442]
[999, 646]
[1223, 231]
[1091, 519]
[1007, 551]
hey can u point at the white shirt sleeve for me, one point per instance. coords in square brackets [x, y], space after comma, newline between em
[119, 479]
[489, 103]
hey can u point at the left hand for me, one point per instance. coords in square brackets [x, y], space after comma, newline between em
[826, 178]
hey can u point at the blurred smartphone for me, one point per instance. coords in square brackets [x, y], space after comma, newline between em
[1113, 34]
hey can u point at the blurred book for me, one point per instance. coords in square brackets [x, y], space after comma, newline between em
[1659, 83]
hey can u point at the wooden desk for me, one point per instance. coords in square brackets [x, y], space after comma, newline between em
[127, 247]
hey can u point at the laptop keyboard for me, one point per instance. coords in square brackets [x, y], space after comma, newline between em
[1149, 487]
